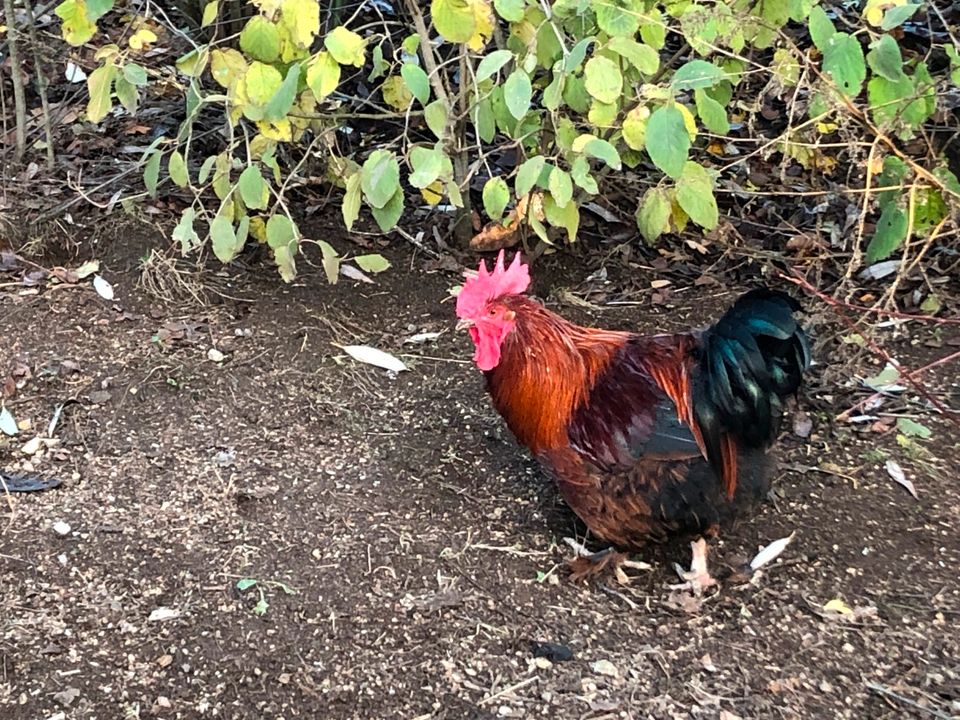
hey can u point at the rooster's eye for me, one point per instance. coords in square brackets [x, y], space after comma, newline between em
[492, 312]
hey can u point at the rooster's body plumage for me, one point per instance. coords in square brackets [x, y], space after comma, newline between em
[646, 434]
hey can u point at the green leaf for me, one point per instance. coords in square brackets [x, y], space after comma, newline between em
[654, 32]
[245, 584]
[427, 164]
[843, 59]
[184, 233]
[491, 64]
[224, 239]
[77, 27]
[821, 28]
[911, 428]
[373, 263]
[602, 79]
[572, 62]
[695, 195]
[697, 74]
[388, 216]
[712, 114]
[351, 200]
[323, 74]
[281, 102]
[177, 168]
[528, 174]
[127, 93]
[566, 217]
[885, 59]
[281, 231]
[253, 189]
[194, 62]
[496, 195]
[580, 172]
[889, 236]
[380, 178]
[417, 81]
[560, 186]
[454, 19]
[510, 10]
[643, 57]
[260, 39]
[603, 150]
[889, 100]
[667, 140]
[135, 74]
[435, 115]
[896, 16]
[346, 46]
[635, 127]
[653, 215]
[618, 17]
[151, 173]
[518, 93]
[205, 169]
[331, 261]
[99, 85]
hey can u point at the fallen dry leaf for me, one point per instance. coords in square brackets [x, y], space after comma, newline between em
[896, 472]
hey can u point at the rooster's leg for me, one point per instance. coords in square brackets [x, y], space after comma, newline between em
[590, 565]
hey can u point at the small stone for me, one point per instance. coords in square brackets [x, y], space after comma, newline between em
[284, 678]
[214, 355]
[31, 446]
[165, 660]
[66, 697]
[61, 528]
[542, 663]
[605, 667]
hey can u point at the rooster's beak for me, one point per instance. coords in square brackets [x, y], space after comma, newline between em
[464, 324]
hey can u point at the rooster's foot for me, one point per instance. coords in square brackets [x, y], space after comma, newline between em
[591, 565]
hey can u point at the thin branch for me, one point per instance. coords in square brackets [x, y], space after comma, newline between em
[16, 74]
[41, 83]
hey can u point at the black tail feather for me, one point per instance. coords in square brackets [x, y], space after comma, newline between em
[753, 357]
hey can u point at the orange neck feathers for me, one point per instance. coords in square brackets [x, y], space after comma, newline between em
[547, 368]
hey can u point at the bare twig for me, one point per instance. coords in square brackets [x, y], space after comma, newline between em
[892, 694]
[16, 74]
[41, 82]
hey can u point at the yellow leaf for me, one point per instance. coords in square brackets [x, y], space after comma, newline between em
[323, 74]
[141, 38]
[99, 85]
[258, 228]
[826, 128]
[874, 10]
[77, 28]
[838, 606]
[259, 144]
[280, 130]
[635, 127]
[227, 65]
[396, 94]
[210, 12]
[268, 7]
[688, 121]
[346, 46]
[483, 29]
[433, 192]
[302, 19]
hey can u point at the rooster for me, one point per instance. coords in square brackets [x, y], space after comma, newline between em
[643, 434]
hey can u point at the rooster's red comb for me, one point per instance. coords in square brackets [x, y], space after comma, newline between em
[478, 291]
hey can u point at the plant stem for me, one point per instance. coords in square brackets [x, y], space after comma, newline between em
[19, 101]
[41, 82]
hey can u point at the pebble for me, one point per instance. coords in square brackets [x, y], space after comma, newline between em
[605, 667]
[215, 355]
[61, 528]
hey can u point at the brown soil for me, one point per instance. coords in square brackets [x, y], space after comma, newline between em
[422, 549]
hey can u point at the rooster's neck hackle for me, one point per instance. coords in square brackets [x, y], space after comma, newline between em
[548, 367]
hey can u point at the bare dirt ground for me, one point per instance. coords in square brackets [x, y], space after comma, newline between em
[408, 557]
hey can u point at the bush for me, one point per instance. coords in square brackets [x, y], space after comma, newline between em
[575, 90]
